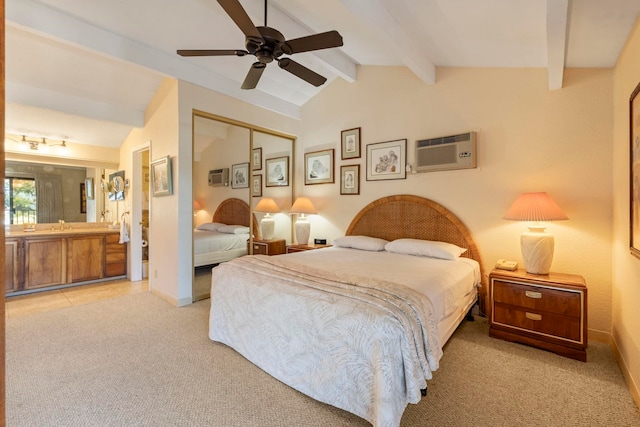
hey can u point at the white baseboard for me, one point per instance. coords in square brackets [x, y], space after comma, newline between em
[631, 384]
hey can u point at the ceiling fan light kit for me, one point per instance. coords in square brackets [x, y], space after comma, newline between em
[267, 45]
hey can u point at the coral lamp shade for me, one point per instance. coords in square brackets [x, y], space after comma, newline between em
[303, 205]
[535, 207]
[267, 205]
[196, 205]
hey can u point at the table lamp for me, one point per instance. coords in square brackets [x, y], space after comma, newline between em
[303, 206]
[536, 245]
[267, 224]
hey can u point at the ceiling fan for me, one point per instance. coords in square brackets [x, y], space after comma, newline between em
[268, 44]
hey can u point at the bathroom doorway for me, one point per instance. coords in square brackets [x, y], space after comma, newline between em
[140, 206]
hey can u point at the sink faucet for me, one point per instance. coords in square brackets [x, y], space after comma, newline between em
[61, 222]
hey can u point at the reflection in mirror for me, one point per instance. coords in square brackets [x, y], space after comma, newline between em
[228, 180]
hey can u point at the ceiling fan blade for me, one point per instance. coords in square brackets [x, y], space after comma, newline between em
[313, 42]
[301, 71]
[253, 76]
[216, 52]
[237, 13]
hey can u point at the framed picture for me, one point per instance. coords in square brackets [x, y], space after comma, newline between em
[83, 198]
[277, 172]
[256, 186]
[240, 175]
[88, 185]
[350, 143]
[318, 167]
[350, 179]
[161, 177]
[634, 171]
[256, 159]
[387, 160]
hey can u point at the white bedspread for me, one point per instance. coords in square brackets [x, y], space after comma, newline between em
[364, 345]
[213, 241]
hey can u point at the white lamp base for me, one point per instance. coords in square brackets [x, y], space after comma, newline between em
[267, 227]
[303, 229]
[537, 251]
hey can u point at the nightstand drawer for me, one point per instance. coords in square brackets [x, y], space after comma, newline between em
[555, 325]
[260, 249]
[538, 298]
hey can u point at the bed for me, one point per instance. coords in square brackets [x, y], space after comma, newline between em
[351, 326]
[213, 244]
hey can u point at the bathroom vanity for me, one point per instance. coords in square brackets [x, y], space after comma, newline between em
[47, 258]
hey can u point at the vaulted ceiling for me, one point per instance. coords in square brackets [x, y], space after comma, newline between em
[85, 71]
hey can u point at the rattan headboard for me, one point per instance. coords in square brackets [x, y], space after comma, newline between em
[235, 212]
[407, 216]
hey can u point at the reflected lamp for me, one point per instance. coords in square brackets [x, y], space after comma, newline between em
[536, 244]
[267, 224]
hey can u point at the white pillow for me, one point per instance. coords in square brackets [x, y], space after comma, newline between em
[365, 243]
[428, 248]
[209, 226]
[233, 229]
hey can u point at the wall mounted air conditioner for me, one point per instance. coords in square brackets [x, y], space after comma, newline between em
[219, 177]
[446, 153]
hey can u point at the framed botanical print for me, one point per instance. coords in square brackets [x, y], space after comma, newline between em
[350, 143]
[277, 172]
[634, 172]
[256, 186]
[256, 159]
[318, 167]
[240, 175]
[387, 160]
[350, 179]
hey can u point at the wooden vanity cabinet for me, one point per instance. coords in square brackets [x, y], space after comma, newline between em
[11, 265]
[34, 262]
[45, 262]
[85, 258]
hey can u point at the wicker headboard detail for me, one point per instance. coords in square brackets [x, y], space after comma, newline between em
[235, 212]
[407, 216]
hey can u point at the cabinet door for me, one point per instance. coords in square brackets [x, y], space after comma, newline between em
[85, 258]
[11, 266]
[45, 262]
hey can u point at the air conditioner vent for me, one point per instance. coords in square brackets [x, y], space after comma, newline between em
[446, 153]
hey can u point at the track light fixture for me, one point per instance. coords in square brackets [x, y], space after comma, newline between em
[34, 144]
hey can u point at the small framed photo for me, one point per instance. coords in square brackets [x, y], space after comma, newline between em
[350, 179]
[350, 143]
[256, 159]
[277, 172]
[256, 186]
[240, 175]
[161, 177]
[387, 160]
[318, 167]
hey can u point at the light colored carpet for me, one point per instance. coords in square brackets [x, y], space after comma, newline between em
[137, 361]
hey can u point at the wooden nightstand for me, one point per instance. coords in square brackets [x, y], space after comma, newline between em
[546, 311]
[268, 247]
[301, 248]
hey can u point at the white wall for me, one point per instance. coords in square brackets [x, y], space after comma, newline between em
[626, 268]
[529, 139]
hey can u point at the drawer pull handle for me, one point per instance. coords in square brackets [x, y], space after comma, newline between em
[256, 247]
[531, 294]
[532, 316]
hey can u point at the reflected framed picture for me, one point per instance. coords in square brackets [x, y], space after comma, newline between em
[277, 172]
[350, 179]
[350, 142]
[161, 177]
[256, 159]
[88, 185]
[318, 167]
[256, 186]
[634, 172]
[240, 175]
[387, 160]
[83, 197]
